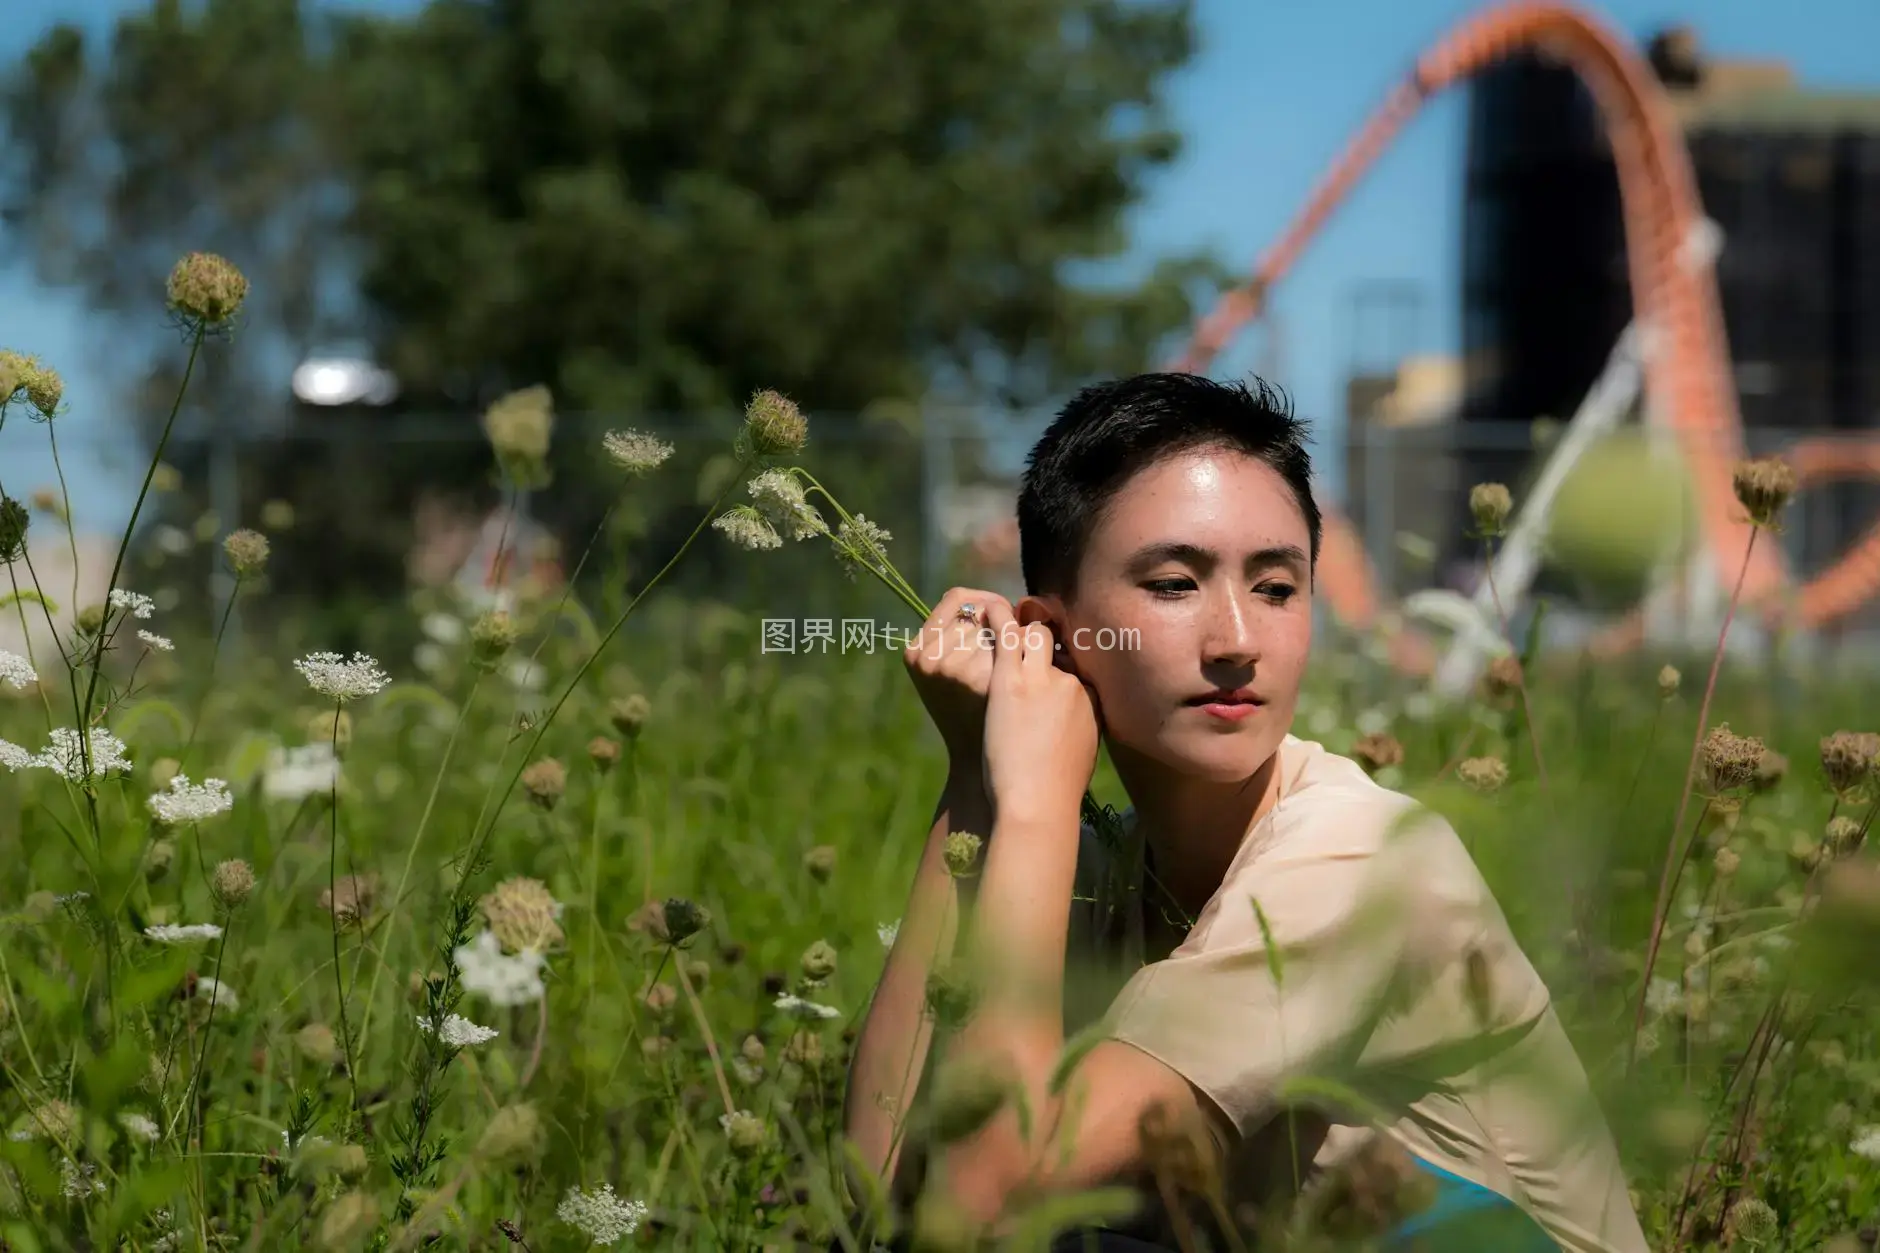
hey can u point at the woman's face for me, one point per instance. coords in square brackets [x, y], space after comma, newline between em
[1196, 581]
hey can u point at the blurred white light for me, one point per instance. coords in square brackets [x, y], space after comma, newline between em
[339, 381]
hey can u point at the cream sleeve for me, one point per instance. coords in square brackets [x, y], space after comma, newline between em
[1343, 933]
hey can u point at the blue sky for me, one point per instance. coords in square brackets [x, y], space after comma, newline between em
[1272, 97]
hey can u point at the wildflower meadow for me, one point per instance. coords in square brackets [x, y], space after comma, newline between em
[316, 949]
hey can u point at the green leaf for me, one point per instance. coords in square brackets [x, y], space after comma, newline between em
[1275, 960]
[1046, 1218]
[1075, 1050]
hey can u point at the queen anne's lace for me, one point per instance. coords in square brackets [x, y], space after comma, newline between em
[459, 1032]
[341, 678]
[136, 604]
[16, 670]
[600, 1215]
[65, 755]
[191, 802]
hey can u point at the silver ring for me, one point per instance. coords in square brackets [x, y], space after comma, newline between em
[968, 612]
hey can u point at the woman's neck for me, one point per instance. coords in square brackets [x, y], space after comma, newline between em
[1194, 827]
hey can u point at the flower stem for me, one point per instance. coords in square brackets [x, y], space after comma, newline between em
[1672, 861]
[332, 887]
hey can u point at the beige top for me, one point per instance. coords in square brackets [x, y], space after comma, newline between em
[1396, 976]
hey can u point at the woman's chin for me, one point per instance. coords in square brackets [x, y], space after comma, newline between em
[1215, 758]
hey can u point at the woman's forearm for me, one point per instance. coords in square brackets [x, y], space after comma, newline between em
[891, 1049]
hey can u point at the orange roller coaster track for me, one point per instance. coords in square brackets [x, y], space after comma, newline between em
[1687, 373]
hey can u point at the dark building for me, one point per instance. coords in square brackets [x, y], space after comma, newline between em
[1791, 177]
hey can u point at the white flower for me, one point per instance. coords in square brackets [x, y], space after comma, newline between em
[635, 451]
[1664, 996]
[887, 931]
[1867, 1144]
[294, 774]
[601, 1216]
[783, 504]
[136, 604]
[139, 1125]
[341, 679]
[16, 670]
[13, 757]
[797, 1007]
[170, 933]
[443, 627]
[501, 978]
[161, 643]
[65, 755]
[746, 528]
[860, 545]
[77, 1180]
[191, 802]
[525, 675]
[459, 1032]
[219, 995]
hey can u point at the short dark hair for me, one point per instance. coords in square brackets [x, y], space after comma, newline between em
[1112, 431]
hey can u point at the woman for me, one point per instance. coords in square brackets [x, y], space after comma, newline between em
[1265, 912]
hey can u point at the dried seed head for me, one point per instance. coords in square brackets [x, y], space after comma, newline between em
[818, 961]
[1844, 835]
[317, 1043]
[683, 919]
[629, 714]
[752, 1049]
[803, 1048]
[603, 752]
[1668, 681]
[1730, 760]
[968, 1092]
[247, 552]
[14, 520]
[820, 862]
[660, 998]
[519, 425]
[1770, 771]
[233, 882]
[90, 620]
[746, 1132]
[1752, 1222]
[951, 998]
[491, 635]
[649, 919]
[1847, 758]
[514, 1134]
[773, 426]
[1726, 862]
[351, 899]
[545, 781]
[206, 290]
[14, 366]
[962, 853]
[1491, 504]
[1486, 775]
[1805, 853]
[1503, 676]
[1376, 751]
[522, 914]
[1763, 487]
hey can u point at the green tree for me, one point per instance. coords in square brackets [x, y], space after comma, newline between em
[650, 206]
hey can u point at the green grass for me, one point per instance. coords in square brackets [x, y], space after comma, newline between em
[746, 764]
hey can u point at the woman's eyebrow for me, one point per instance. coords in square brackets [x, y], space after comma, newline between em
[1204, 558]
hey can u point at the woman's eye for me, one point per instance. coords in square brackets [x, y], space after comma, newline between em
[1169, 587]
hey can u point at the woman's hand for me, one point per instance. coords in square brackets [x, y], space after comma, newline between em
[1041, 727]
[950, 663]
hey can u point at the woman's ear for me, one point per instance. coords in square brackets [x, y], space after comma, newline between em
[1047, 608]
